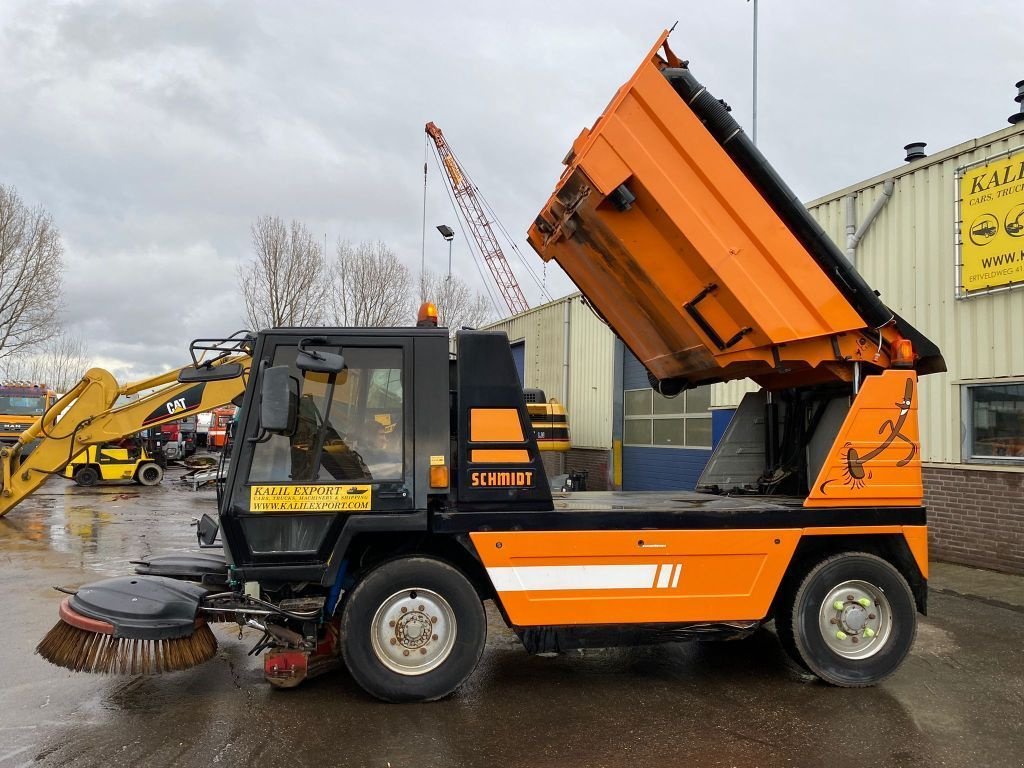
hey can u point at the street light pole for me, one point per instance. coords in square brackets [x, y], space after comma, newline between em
[448, 234]
[754, 129]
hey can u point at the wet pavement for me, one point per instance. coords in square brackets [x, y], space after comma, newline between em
[958, 700]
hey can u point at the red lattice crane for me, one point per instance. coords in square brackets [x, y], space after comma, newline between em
[474, 213]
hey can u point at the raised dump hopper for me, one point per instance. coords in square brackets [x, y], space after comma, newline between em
[698, 256]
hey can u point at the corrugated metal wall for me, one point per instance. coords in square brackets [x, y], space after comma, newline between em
[909, 256]
[590, 359]
[591, 377]
[541, 330]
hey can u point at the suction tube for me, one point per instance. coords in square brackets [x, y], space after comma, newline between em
[715, 116]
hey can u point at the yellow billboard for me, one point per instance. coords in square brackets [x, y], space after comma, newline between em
[992, 224]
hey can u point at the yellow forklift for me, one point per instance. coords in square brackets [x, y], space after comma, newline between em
[126, 459]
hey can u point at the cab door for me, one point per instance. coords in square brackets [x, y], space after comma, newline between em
[349, 452]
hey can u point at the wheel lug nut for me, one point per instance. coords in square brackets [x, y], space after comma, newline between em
[871, 616]
[420, 609]
[391, 623]
[849, 598]
[864, 602]
[855, 639]
[434, 637]
[838, 605]
[840, 635]
[404, 609]
[433, 619]
[405, 653]
[393, 641]
[423, 651]
[869, 632]
[834, 621]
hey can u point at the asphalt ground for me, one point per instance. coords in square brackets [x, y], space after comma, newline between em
[957, 701]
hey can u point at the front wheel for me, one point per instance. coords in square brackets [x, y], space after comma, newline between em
[853, 620]
[413, 629]
[86, 476]
[150, 474]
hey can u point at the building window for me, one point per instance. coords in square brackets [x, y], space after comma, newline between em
[678, 422]
[995, 422]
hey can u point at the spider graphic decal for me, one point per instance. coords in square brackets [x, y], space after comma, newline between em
[855, 473]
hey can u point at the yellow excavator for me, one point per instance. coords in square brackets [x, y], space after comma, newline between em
[89, 414]
[76, 435]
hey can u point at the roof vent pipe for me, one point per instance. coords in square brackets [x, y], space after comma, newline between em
[915, 150]
[1016, 117]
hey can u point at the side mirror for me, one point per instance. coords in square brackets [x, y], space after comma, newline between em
[317, 361]
[206, 531]
[210, 373]
[278, 401]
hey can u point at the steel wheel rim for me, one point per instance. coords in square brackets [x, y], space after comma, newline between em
[413, 631]
[855, 619]
[150, 474]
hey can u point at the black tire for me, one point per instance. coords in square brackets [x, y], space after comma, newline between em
[86, 476]
[784, 629]
[385, 586]
[801, 634]
[149, 473]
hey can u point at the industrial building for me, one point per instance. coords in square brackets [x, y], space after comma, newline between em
[942, 238]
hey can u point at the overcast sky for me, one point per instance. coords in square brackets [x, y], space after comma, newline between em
[155, 132]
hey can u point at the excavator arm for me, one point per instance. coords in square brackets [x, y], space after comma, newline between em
[89, 414]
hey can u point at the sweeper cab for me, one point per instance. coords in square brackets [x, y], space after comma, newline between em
[382, 489]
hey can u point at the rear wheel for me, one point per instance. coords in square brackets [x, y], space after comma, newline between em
[150, 473]
[86, 476]
[852, 622]
[413, 629]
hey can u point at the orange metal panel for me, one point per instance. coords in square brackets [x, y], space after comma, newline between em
[696, 221]
[495, 425]
[611, 577]
[500, 457]
[917, 540]
[876, 457]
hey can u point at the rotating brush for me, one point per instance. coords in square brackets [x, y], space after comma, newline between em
[130, 625]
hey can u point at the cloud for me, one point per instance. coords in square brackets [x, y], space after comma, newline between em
[156, 132]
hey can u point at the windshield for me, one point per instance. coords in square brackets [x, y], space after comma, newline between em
[12, 405]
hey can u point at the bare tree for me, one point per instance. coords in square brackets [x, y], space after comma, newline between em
[458, 306]
[64, 359]
[59, 362]
[371, 287]
[285, 283]
[30, 274]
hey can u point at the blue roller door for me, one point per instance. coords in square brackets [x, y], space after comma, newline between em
[648, 464]
[519, 356]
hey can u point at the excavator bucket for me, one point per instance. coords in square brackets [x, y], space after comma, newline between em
[700, 258]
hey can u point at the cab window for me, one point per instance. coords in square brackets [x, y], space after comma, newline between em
[354, 434]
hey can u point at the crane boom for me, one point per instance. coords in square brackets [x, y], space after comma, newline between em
[476, 217]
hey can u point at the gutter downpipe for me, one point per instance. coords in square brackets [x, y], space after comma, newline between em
[855, 234]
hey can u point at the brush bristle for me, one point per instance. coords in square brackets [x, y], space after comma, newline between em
[82, 651]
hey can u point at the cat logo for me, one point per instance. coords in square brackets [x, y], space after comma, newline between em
[175, 406]
[522, 479]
